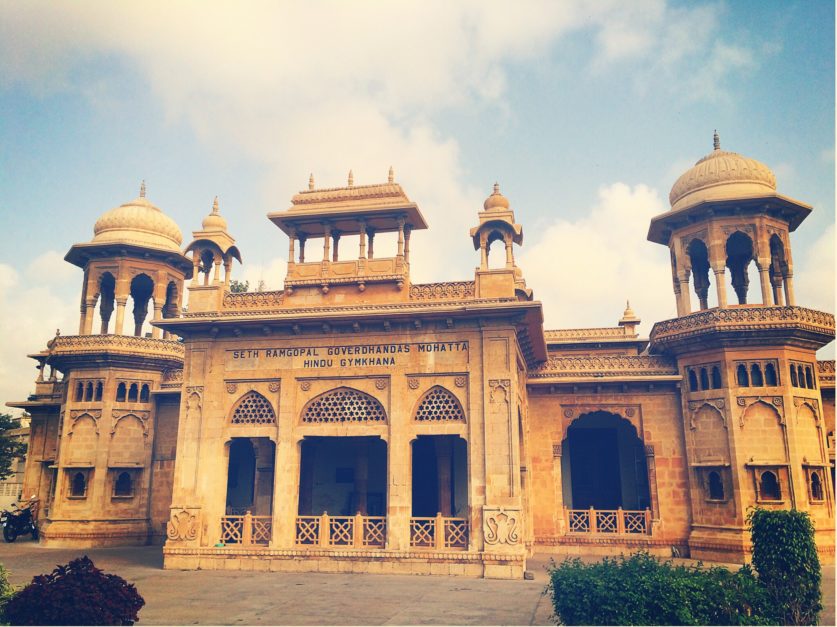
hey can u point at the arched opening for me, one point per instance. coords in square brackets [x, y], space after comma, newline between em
[97, 396]
[107, 290]
[88, 392]
[715, 485]
[79, 391]
[440, 476]
[171, 305]
[716, 377]
[742, 376]
[699, 258]
[78, 485]
[343, 476]
[604, 465]
[124, 485]
[142, 288]
[769, 486]
[809, 378]
[794, 379]
[133, 393]
[800, 374]
[816, 486]
[499, 259]
[207, 262]
[704, 379]
[121, 392]
[144, 393]
[755, 376]
[739, 250]
[693, 383]
[243, 470]
[770, 377]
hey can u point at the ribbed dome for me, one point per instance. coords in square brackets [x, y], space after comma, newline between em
[496, 200]
[214, 221]
[722, 175]
[140, 223]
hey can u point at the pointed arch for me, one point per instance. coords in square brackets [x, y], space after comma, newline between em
[739, 249]
[439, 404]
[253, 409]
[699, 260]
[344, 405]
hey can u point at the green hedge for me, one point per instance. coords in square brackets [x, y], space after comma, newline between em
[640, 590]
[785, 557]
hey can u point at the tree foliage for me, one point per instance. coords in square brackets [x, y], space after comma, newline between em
[10, 448]
[785, 556]
[75, 594]
[237, 287]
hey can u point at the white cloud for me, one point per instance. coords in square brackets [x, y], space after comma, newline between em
[585, 270]
[50, 267]
[814, 273]
[29, 316]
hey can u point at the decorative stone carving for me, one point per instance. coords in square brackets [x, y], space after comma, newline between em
[649, 450]
[774, 402]
[380, 384]
[605, 366]
[118, 415]
[273, 386]
[305, 385]
[443, 291]
[499, 390]
[569, 413]
[413, 383]
[78, 414]
[183, 526]
[460, 382]
[344, 405]
[501, 526]
[557, 451]
[630, 411]
[232, 388]
[253, 300]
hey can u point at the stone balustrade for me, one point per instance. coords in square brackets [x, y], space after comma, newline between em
[612, 521]
[453, 290]
[605, 366]
[129, 345]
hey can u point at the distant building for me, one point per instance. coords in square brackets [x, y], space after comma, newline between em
[356, 421]
[11, 486]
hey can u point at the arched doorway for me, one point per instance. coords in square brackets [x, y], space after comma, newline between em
[604, 464]
[250, 476]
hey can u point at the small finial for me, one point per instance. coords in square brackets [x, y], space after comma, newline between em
[351, 179]
[496, 188]
[391, 176]
[716, 141]
[215, 206]
[142, 189]
[311, 182]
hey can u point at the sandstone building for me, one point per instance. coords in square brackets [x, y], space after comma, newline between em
[356, 421]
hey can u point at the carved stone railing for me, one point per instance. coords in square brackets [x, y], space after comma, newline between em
[605, 366]
[439, 532]
[612, 521]
[592, 334]
[825, 372]
[124, 344]
[454, 290]
[356, 531]
[744, 318]
[246, 530]
[172, 378]
[252, 300]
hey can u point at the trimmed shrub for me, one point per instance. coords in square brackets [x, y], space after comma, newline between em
[640, 590]
[785, 557]
[75, 594]
[7, 590]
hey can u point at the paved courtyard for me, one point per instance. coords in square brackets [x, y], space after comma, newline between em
[258, 598]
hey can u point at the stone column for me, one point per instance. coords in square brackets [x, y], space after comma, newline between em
[291, 242]
[326, 241]
[362, 478]
[443, 473]
[407, 230]
[763, 266]
[88, 316]
[157, 332]
[720, 286]
[286, 493]
[371, 244]
[216, 275]
[399, 496]
[685, 299]
[558, 485]
[789, 295]
[362, 253]
[82, 317]
[483, 252]
[336, 237]
[509, 254]
[301, 249]
[196, 261]
[120, 315]
[227, 271]
[401, 237]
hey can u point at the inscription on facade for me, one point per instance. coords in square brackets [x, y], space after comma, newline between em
[347, 356]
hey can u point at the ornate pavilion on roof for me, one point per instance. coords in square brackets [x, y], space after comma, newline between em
[356, 421]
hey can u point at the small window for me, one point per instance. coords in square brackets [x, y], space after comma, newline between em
[144, 393]
[124, 485]
[704, 379]
[769, 487]
[88, 391]
[133, 393]
[743, 379]
[716, 486]
[800, 374]
[80, 391]
[716, 377]
[693, 384]
[794, 380]
[121, 393]
[756, 378]
[809, 378]
[770, 377]
[816, 486]
[78, 485]
[99, 389]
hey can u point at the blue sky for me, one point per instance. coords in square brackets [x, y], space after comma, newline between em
[586, 113]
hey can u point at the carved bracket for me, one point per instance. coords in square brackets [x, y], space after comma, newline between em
[183, 526]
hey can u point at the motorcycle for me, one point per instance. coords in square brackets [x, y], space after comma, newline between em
[19, 522]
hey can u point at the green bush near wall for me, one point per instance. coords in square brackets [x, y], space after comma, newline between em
[785, 557]
[640, 590]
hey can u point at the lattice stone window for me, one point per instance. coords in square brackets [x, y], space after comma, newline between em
[439, 405]
[253, 409]
[344, 405]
